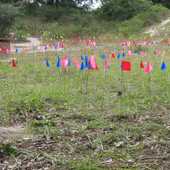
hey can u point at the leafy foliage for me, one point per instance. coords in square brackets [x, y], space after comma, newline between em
[122, 9]
[163, 2]
[49, 18]
[7, 17]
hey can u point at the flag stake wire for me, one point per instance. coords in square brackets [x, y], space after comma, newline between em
[59, 67]
[64, 70]
[81, 74]
[104, 87]
[87, 75]
[150, 81]
[164, 70]
[121, 92]
[82, 81]
[86, 82]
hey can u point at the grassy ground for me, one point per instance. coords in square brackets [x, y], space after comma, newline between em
[80, 121]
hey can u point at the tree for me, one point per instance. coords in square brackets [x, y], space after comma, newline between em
[7, 17]
[163, 2]
[122, 9]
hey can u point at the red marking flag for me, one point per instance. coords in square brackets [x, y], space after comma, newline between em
[142, 65]
[126, 66]
[113, 55]
[13, 62]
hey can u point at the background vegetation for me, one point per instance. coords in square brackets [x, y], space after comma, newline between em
[49, 19]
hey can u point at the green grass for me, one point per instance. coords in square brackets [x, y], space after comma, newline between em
[78, 119]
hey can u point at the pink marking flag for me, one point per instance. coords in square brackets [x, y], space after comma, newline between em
[142, 53]
[64, 62]
[129, 53]
[93, 64]
[61, 44]
[106, 64]
[157, 52]
[148, 68]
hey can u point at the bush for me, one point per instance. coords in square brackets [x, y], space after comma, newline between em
[7, 17]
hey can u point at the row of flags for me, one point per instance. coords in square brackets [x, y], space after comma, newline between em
[86, 63]
[90, 42]
[4, 50]
[55, 46]
[129, 53]
[41, 48]
[130, 43]
[146, 66]
[64, 62]
[89, 63]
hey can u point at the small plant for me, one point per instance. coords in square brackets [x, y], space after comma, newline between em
[44, 127]
[52, 34]
[8, 150]
[86, 164]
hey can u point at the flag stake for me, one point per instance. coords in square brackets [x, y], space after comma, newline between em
[149, 81]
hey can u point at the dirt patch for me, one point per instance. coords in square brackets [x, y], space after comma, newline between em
[156, 29]
[11, 133]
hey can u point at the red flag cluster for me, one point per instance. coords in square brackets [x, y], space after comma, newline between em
[146, 66]
[4, 50]
[91, 43]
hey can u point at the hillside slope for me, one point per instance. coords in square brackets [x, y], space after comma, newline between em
[161, 30]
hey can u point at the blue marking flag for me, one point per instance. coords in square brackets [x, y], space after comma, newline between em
[82, 66]
[82, 58]
[87, 62]
[163, 66]
[123, 54]
[58, 62]
[17, 50]
[118, 56]
[47, 63]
